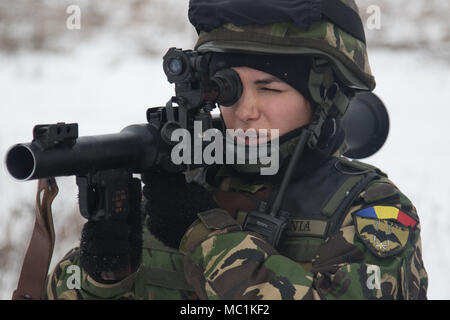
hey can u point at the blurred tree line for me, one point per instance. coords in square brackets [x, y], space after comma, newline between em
[150, 26]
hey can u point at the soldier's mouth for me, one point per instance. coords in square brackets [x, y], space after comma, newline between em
[253, 136]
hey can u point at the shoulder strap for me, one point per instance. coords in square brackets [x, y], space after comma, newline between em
[360, 176]
[327, 193]
[39, 253]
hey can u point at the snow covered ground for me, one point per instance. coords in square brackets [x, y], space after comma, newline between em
[104, 92]
[416, 91]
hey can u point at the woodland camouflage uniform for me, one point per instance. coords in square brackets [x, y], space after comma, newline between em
[223, 262]
[359, 240]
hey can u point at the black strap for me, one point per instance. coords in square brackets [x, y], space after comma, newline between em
[349, 200]
[344, 17]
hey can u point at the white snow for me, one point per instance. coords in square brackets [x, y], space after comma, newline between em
[104, 92]
[416, 91]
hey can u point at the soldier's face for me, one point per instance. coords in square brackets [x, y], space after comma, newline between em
[266, 103]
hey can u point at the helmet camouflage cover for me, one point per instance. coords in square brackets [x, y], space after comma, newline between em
[347, 54]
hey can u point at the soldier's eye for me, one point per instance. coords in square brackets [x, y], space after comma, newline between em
[271, 90]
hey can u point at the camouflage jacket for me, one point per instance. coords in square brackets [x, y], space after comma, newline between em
[159, 277]
[358, 259]
[374, 251]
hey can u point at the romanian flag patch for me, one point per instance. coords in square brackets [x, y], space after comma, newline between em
[385, 230]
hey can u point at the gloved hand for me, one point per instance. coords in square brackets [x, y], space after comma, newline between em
[111, 239]
[172, 204]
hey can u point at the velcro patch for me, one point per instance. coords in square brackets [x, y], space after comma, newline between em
[385, 230]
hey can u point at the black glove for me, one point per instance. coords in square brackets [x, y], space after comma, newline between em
[111, 240]
[172, 204]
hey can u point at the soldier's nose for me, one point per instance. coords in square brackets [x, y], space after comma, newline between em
[246, 109]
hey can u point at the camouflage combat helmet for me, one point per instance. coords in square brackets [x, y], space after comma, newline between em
[347, 53]
[329, 32]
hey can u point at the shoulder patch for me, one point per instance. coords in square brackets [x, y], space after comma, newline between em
[385, 230]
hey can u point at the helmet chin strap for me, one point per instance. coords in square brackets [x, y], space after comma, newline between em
[327, 95]
[271, 221]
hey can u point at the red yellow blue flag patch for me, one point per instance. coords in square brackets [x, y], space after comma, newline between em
[386, 212]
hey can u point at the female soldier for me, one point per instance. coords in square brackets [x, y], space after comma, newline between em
[342, 229]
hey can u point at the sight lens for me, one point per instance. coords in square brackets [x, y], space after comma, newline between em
[229, 85]
[176, 66]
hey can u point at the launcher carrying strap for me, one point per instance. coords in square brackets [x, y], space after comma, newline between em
[40, 249]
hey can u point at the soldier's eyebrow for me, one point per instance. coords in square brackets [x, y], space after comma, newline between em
[267, 80]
